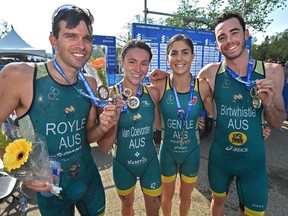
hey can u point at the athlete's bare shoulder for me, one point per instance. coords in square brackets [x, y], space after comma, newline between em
[16, 88]
[274, 71]
[208, 73]
[17, 71]
[154, 93]
[209, 70]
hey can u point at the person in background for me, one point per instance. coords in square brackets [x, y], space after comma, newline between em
[135, 156]
[51, 100]
[117, 69]
[244, 92]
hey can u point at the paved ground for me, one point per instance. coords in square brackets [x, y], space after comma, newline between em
[277, 169]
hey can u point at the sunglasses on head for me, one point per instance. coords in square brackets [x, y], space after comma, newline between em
[62, 8]
[66, 7]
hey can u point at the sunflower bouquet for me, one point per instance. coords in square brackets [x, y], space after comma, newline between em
[25, 159]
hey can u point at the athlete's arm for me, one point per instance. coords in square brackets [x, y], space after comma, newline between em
[157, 74]
[16, 89]
[266, 131]
[206, 94]
[109, 138]
[99, 120]
[154, 94]
[208, 73]
[270, 93]
[16, 92]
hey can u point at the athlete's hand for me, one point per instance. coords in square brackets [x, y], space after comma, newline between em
[119, 103]
[266, 131]
[108, 117]
[266, 91]
[157, 74]
[38, 186]
[111, 113]
[201, 122]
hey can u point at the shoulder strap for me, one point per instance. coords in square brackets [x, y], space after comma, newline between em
[221, 68]
[167, 86]
[41, 70]
[259, 67]
[145, 90]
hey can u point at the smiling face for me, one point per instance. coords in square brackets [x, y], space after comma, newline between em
[73, 46]
[230, 38]
[180, 57]
[135, 64]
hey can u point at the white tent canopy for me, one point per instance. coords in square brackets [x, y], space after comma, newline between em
[13, 44]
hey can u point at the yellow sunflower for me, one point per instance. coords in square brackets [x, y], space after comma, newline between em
[16, 154]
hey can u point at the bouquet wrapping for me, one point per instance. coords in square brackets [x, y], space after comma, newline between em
[96, 67]
[26, 158]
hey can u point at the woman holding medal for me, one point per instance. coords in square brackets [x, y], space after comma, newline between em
[181, 104]
[134, 151]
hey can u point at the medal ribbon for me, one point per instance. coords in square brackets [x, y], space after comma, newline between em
[249, 84]
[80, 73]
[138, 93]
[189, 107]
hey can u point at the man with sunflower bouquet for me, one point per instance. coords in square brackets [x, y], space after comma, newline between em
[55, 99]
[26, 158]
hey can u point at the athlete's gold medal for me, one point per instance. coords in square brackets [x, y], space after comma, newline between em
[256, 101]
[127, 92]
[133, 102]
[103, 92]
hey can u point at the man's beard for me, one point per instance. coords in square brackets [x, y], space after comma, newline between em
[232, 57]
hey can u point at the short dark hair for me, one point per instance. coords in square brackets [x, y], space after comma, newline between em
[180, 37]
[136, 44]
[72, 15]
[226, 16]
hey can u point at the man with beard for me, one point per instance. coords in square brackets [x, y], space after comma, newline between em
[246, 94]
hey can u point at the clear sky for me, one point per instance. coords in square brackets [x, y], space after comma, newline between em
[31, 19]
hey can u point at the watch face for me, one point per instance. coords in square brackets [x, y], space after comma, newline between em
[103, 92]
[133, 102]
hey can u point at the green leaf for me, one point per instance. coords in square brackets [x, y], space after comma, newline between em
[4, 140]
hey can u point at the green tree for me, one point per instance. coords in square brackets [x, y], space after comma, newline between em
[261, 51]
[274, 47]
[4, 28]
[192, 16]
[254, 12]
